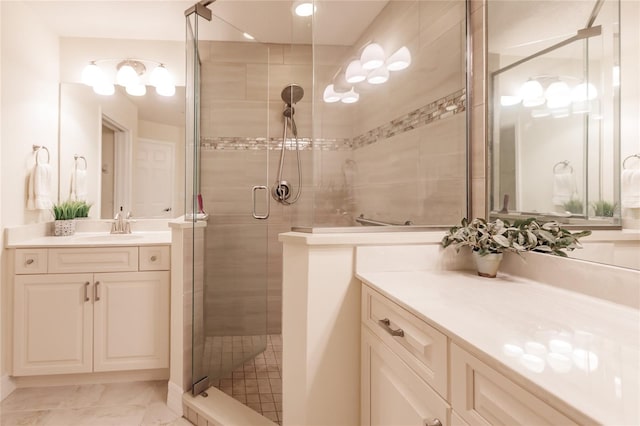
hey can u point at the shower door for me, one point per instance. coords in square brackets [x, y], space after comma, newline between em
[231, 128]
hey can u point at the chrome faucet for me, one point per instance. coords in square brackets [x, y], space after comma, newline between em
[120, 224]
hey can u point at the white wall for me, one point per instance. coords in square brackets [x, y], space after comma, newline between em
[29, 115]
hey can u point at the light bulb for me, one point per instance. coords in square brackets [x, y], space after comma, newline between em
[558, 95]
[127, 76]
[532, 93]
[355, 73]
[584, 92]
[305, 9]
[91, 74]
[400, 60]
[160, 76]
[166, 90]
[104, 88]
[330, 95]
[372, 56]
[350, 97]
[136, 89]
[378, 76]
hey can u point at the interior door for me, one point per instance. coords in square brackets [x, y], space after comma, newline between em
[154, 179]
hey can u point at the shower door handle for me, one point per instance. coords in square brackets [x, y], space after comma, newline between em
[253, 195]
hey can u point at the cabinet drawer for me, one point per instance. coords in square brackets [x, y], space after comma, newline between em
[421, 346]
[30, 261]
[100, 259]
[482, 396]
[155, 258]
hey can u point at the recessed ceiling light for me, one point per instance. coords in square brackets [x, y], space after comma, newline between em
[304, 8]
[248, 36]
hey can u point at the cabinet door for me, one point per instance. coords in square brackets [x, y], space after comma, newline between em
[131, 319]
[392, 394]
[52, 324]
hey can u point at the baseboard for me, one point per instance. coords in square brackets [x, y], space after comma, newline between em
[7, 385]
[91, 378]
[174, 398]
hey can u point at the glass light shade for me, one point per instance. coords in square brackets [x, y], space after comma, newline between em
[136, 89]
[92, 74]
[350, 97]
[305, 9]
[166, 90]
[558, 95]
[531, 90]
[127, 76]
[508, 100]
[160, 77]
[372, 56]
[104, 88]
[355, 73]
[378, 76]
[584, 92]
[400, 60]
[330, 95]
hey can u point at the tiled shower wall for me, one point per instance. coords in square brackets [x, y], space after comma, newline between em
[398, 154]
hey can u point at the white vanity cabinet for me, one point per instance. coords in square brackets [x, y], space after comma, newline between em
[90, 310]
[414, 374]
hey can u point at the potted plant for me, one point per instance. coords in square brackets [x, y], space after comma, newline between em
[64, 215]
[489, 240]
[82, 209]
[604, 208]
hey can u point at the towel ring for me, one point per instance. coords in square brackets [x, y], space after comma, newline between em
[80, 157]
[37, 148]
[629, 157]
[565, 165]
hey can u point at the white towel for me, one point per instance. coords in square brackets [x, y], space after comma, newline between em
[630, 189]
[564, 188]
[39, 191]
[78, 185]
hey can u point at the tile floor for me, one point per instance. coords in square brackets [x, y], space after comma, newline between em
[112, 404]
[258, 382]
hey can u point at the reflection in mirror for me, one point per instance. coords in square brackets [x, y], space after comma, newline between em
[556, 142]
[132, 160]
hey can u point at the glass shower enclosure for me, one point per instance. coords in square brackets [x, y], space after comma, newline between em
[228, 192]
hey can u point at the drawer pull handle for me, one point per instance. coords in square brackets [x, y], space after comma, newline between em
[154, 258]
[96, 292]
[386, 324]
[29, 261]
[86, 291]
[433, 422]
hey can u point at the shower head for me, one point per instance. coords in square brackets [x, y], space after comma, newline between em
[292, 94]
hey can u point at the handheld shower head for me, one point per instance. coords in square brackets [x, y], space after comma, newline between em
[292, 94]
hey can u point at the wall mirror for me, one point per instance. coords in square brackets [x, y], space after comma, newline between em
[557, 134]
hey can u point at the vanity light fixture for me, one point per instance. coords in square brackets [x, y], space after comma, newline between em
[131, 74]
[372, 56]
[350, 97]
[532, 93]
[558, 95]
[379, 75]
[355, 73]
[584, 92]
[304, 8]
[400, 60]
[330, 95]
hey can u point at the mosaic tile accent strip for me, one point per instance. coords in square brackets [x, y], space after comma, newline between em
[275, 144]
[439, 109]
[448, 106]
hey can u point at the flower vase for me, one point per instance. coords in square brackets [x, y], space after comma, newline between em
[64, 227]
[487, 265]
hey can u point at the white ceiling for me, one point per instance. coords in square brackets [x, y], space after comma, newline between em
[338, 22]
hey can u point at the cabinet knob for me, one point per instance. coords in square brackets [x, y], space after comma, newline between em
[154, 258]
[29, 261]
[432, 422]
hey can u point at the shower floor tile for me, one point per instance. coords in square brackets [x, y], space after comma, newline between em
[256, 383]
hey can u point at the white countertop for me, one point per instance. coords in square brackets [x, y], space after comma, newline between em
[580, 350]
[96, 239]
